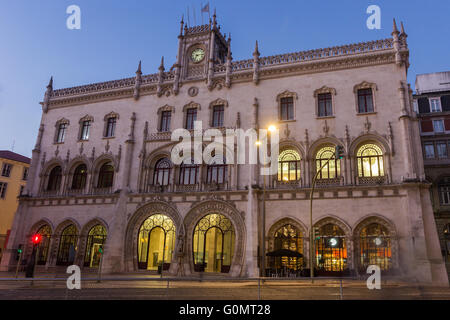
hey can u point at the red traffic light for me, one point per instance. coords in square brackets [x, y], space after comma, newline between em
[37, 238]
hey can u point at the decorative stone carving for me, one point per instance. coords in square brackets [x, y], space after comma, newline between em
[324, 89]
[193, 91]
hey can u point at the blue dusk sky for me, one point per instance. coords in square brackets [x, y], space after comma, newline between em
[116, 34]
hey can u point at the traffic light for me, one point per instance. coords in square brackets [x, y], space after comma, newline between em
[339, 152]
[19, 252]
[36, 238]
[100, 249]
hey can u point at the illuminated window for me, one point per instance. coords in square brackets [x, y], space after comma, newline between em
[370, 161]
[213, 244]
[67, 246]
[331, 249]
[288, 237]
[95, 240]
[161, 174]
[375, 247]
[45, 231]
[289, 166]
[333, 169]
[156, 242]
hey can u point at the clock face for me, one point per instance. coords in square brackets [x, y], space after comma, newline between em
[198, 55]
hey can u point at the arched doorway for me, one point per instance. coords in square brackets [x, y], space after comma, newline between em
[289, 239]
[95, 240]
[375, 247]
[45, 231]
[331, 250]
[213, 244]
[67, 246]
[156, 242]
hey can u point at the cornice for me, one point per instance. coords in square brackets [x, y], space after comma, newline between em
[306, 62]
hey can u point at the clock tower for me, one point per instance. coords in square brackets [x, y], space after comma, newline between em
[200, 48]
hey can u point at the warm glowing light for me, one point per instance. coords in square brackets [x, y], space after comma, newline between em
[258, 143]
[272, 128]
[378, 241]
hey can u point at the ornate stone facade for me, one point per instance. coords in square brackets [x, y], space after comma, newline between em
[129, 177]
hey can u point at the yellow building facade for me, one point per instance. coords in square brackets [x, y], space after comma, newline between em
[13, 178]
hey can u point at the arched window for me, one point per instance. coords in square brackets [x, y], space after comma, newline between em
[217, 173]
[333, 169]
[67, 246]
[96, 239]
[288, 237]
[161, 174]
[375, 247]
[331, 250]
[106, 176]
[45, 231]
[213, 244]
[54, 179]
[156, 242]
[79, 177]
[289, 166]
[188, 173]
[370, 161]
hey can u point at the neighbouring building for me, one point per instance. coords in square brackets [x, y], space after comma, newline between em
[13, 178]
[432, 103]
[102, 174]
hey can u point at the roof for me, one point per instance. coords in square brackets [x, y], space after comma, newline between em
[433, 82]
[6, 154]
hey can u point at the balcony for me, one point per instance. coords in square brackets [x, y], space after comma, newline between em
[371, 180]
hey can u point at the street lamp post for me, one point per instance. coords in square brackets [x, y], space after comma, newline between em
[338, 153]
[270, 129]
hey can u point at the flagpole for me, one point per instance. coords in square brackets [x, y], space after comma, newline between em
[201, 10]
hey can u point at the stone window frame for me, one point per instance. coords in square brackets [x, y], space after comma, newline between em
[190, 105]
[217, 102]
[365, 85]
[110, 115]
[325, 90]
[160, 112]
[80, 131]
[57, 125]
[287, 94]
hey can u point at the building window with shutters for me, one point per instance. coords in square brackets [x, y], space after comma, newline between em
[218, 115]
[3, 186]
[429, 150]
[61, 133]
[165, 121]
[438, 126]
[444, 191]
[191, 117]
[25, 174]
[424, 105]
[325, 105]
[6, 170]
[435, 104]
[110, 127]
[441, 147]
[286, 108]
[365, 100]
